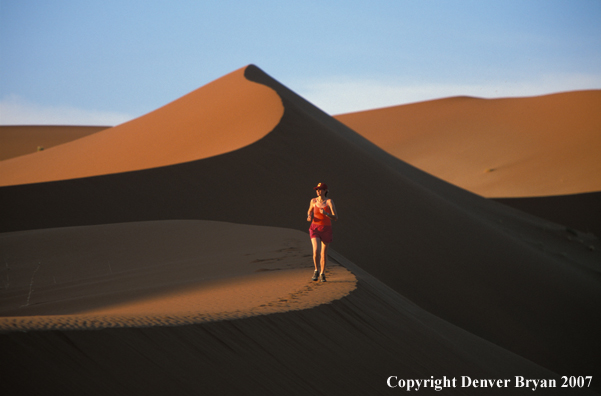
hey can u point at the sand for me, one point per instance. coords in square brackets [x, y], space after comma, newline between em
[448, 282]
[536, 154]
[157, 273]
[222, 116]
[513, 147]
[19, 140]
[347, 347]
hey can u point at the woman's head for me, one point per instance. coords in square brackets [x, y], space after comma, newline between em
[321, 187]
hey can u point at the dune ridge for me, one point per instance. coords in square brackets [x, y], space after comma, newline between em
[498, 289]
[225, 115]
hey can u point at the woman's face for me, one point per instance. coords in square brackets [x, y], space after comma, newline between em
[320, 193]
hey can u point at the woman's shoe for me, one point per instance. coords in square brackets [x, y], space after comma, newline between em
[315, 275]
[323, 278]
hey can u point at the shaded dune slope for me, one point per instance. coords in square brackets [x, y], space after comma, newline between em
[580, 212]
[508, 277]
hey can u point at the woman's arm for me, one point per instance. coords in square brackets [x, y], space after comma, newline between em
[334, 215]
[310, 211]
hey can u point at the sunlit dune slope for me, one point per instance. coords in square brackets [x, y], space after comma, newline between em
[517, 281]
[222, 116]
[27, 139]
[514, 147]
[156, 273]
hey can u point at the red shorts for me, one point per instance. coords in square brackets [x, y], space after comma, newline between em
[322, 232]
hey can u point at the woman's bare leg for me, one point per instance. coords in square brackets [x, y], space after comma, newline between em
[316, 242]
[324, 256]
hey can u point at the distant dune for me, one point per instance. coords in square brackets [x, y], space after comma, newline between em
[514, 147]
[448, 283]
[26, 139]
[537, 154]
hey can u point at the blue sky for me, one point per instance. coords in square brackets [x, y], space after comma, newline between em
[105, 62]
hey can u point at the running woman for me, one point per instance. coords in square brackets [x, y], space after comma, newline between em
[321, 213]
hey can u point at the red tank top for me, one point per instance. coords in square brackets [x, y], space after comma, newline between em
[319, 218]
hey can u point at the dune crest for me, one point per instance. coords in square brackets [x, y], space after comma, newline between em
[512, 147]
[224, 115]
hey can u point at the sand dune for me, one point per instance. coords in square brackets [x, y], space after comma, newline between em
[449, 283]
[536, 154]
[157, 273]
[350, 346]
[515, 147]
[27, 139]
[222, 116]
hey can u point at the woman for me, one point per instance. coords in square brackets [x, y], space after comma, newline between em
[321, 213]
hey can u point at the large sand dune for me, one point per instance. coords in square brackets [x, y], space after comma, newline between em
[449, 283]
[222, 116]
